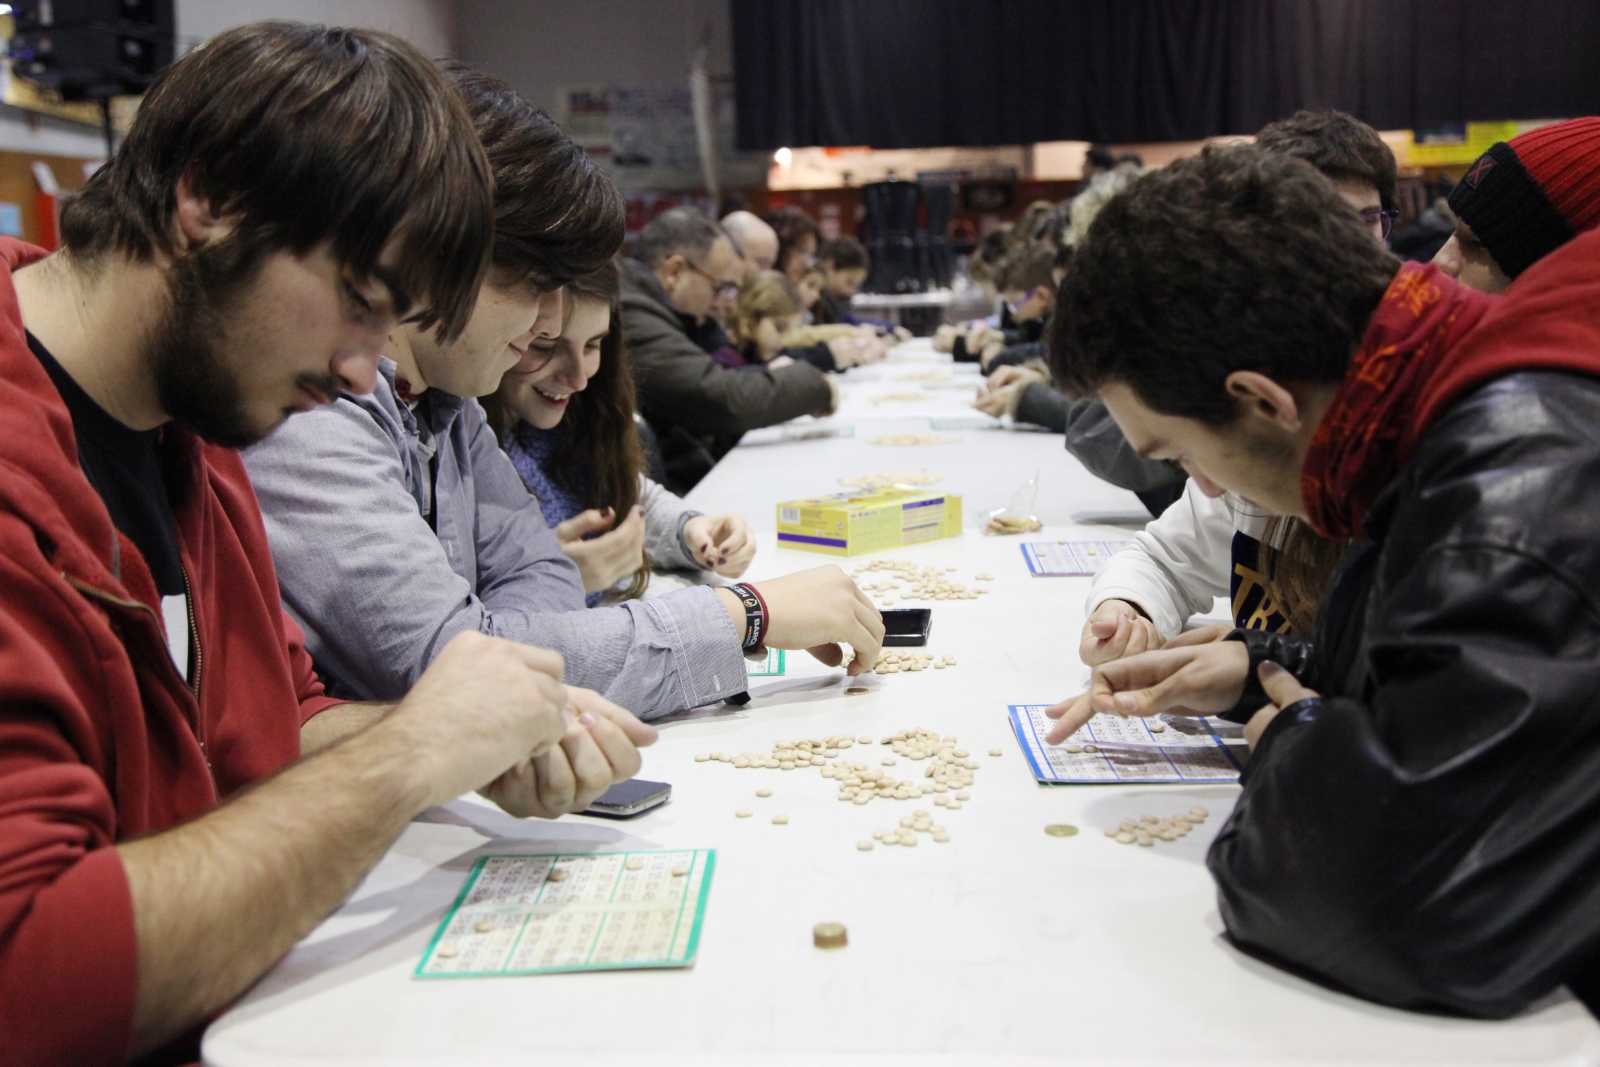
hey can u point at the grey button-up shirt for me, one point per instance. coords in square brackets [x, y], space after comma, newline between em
[394, 529]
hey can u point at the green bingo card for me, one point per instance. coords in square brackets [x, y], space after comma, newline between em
[592, 911]
[771, 667]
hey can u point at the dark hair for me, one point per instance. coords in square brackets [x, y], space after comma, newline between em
[1100, 156]
[678, 231]
[597, 456]
[792, 225]
[1235, 259]
[305, 134]
[1299, 562]
[1341, 146]
[987, 256]
[556, 215]
[1032, 224]
[845, 253]
[1028, 268]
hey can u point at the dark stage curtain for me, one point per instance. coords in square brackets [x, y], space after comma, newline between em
[917, 73]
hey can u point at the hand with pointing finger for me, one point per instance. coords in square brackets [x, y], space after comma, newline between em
[1195, 680]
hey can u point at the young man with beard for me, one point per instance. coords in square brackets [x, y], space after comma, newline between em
[1418, 821]
[285, 196]
[405, 494]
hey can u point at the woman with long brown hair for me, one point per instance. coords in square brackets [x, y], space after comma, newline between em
[568, 425]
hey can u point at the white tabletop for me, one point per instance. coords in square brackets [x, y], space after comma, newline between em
[1003, 946]
[926, 298]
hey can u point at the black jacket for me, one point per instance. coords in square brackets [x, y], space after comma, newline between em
[1094, 437]
[1427, 833]
[698, 407]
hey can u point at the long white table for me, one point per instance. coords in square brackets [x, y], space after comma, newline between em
[1003, 946]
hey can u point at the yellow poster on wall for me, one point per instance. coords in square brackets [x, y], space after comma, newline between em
[1460, 144]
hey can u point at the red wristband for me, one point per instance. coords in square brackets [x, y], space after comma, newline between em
[757, 620]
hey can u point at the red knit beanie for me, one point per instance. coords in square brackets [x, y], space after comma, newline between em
[1526, 198]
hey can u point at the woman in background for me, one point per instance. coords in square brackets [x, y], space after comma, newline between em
[767, 329]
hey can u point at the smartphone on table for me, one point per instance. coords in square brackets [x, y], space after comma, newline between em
[627, 799]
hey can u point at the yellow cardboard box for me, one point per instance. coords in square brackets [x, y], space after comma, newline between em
[850, 524]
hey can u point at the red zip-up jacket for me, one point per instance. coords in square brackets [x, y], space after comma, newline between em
[101, 739]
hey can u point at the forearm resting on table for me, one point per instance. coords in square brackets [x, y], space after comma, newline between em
[338, 722]
[735, 609]
[219, 900]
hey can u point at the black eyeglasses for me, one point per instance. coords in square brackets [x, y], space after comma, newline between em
[727, 289]
[1384, 217]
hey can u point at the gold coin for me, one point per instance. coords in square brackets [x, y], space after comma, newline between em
[1061, 829]
[829, 935]
[856, 690]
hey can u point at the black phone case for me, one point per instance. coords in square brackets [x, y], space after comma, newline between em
[906, 627]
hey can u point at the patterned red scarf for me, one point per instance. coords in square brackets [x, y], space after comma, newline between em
[1357, 448]
[1430, 342]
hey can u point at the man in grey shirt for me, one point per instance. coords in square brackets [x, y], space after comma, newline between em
[396, 522]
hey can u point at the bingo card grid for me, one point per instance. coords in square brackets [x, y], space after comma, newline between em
[1188, 750]
[1069, 559]
[511, 918]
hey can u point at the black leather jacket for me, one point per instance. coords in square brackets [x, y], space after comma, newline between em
[1427, 833]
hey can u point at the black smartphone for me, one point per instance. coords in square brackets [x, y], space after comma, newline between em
[627, 799]
[906, 626]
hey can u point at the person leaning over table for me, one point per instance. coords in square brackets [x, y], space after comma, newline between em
[1205, 547]
[754, 240]
[1271, 569]
[765, 331]
[396, 521]
[1018, 386]
[798, 239]
[180, 802]
[697, 407]
[1418, 819]
[755, 245]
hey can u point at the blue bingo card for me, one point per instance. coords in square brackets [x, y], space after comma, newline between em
[1069, 559]
[1116, 750]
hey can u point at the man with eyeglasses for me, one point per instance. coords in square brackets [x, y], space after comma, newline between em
[697, 407]
[1349, 153]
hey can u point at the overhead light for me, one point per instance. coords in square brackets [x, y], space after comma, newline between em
[5, 9]
[783, 157]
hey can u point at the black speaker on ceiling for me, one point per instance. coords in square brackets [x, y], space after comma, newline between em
[92, 49]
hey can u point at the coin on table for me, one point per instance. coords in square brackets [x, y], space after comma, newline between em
[829, 935]
[1061, 829]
